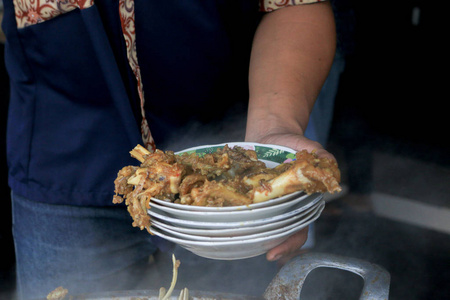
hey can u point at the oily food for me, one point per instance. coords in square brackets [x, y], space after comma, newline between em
[227, 177]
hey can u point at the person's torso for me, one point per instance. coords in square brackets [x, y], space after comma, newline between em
[74, 109]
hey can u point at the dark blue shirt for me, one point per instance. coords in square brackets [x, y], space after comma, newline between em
[74, 109]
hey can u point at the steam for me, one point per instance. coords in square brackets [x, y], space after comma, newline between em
[229, 129]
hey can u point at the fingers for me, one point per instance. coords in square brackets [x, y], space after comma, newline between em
[292, 244]
[296, 142]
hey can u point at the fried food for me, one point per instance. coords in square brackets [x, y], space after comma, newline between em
[227, 177]
[217, 193]
[308, 173]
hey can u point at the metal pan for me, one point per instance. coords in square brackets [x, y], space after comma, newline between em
[286, 285]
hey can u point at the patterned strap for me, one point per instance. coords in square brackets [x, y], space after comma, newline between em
[126, 11]
[31, 12]
[271, 5]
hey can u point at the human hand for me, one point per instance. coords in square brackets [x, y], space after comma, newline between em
[297, 142]
[288, 248]
[292, 245]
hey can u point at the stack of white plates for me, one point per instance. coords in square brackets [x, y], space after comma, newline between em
[236, 232]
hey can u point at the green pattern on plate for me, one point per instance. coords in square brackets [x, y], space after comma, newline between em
[265, 153]
[273, 154]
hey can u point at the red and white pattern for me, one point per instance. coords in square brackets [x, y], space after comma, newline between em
[271, 5]
[30, 12]
[126, 11]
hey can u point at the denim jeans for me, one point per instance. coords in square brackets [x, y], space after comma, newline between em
[84, 249]
[321, 117]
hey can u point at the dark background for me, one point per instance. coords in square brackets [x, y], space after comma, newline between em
[391, 100]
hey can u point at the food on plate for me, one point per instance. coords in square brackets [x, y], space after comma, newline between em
[227, 177]
[308, 173]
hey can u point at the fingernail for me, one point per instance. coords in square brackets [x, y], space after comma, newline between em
[275, 257]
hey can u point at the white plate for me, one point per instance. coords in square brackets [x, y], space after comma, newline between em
[232, 250]
[270, 202]
[235, 231]
[229, 216]
[164, 229]
[271, 155]
[298, 208]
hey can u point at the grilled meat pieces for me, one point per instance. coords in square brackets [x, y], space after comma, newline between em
[308, 173]
[227, 177]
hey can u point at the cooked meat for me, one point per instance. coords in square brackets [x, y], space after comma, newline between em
[242, 161]
[307, 173]
[218, 193]
[227, 177]
[159, 176]
[209, 165]
[191, 181]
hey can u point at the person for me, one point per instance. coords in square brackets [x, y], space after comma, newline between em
[90, 80]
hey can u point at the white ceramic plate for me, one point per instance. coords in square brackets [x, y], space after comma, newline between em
[227, 232]
[233, 250]
[164, 229]
[230, 216]
[271, 155]
[270, 202]
[296, 209]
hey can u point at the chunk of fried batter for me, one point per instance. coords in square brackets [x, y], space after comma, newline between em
[227, 177]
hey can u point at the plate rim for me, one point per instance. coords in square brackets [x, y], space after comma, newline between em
[310, 214]
[240, 242]
[225, 230]
[241, 223]
[281, 205]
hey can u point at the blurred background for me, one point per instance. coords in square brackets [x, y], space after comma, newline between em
[390, 136]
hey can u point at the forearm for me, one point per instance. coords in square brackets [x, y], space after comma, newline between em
[292, 54]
